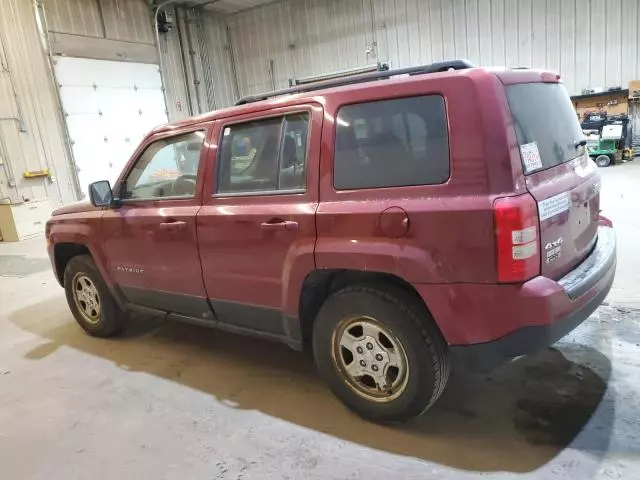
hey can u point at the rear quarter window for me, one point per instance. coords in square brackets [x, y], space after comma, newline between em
[392, 143]
[543, 114]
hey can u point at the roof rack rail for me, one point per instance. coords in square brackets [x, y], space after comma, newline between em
[365, 77]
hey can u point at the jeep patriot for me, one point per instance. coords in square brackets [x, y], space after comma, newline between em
[392, 222]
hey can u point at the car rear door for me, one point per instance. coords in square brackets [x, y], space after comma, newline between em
[558, 173]
[256, 229]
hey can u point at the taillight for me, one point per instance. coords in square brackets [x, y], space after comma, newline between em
[517, 238]
[47, 233]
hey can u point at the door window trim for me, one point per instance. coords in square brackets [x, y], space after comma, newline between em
[249, 119]
[165, 136]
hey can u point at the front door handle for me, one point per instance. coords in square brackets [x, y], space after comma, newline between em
[280, 225]
[177, 225]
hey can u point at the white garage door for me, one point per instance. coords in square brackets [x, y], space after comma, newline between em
[109, 107]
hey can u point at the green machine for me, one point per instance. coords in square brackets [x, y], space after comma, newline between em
[603, 151]
[608, 138]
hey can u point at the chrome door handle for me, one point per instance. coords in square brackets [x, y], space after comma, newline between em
[173, 225]
[281, 226]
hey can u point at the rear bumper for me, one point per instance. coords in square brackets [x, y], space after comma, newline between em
[486, 325]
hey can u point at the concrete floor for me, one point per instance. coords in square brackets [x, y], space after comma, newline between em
[171, 401]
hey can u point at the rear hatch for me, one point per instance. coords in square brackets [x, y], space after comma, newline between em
[559, 174]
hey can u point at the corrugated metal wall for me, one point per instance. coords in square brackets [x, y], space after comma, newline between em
[214, 33]
[31, 133]
[301, 38]
[591, 43]
[126, 20]
[198, 70]
[175, 82]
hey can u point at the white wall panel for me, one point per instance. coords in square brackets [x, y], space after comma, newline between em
[539, 41]
[127, 20]
[567, 43]
[78, 17]
[510, 32]
[303, 38]
[435, 29]
[597, 45]
[175, 83]
[473, 29]
[613, 45]
[582, 50]
[630, 30]
[35, 139]
[591, 43]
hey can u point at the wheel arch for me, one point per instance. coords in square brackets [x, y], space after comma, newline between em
[62, 255]
[318, 285]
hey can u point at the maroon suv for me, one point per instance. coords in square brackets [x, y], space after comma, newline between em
[392, 221]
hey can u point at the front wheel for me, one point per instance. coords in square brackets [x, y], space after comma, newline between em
[603, 160]
[90, 300]
[380, 352]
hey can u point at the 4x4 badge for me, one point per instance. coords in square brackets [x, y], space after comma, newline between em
[553, 244]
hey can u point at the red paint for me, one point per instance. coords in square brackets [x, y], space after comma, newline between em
[576, 226]
[440, 238]
[394, 222]
[474, 313]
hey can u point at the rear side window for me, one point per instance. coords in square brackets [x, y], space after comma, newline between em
[391, 143]
[264, 156]
[543, 115]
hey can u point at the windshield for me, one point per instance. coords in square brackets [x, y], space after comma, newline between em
[546, 123]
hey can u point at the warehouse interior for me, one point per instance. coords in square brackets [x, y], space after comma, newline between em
[82, 82]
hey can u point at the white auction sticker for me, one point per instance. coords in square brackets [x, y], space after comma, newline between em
[530, 157]
[552, 206]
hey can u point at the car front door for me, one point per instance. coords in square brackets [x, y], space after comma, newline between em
[150, 239]
[257, 228]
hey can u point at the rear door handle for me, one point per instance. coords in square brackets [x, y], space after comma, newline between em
[281, 225]
[177, 225]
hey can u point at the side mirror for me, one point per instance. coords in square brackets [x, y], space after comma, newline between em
[100, 194]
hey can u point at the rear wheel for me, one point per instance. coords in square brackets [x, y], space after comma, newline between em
[603, 160]
[380, 353]
[90, 300]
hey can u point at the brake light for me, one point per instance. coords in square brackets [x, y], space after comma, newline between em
[517, 238]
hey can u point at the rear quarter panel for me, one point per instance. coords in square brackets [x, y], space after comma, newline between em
[450, 236]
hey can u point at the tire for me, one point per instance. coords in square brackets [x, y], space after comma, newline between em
[603, 160]
[416, 340]
[81, 275]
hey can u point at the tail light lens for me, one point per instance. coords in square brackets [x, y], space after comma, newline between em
[517, 238]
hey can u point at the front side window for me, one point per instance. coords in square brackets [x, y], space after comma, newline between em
[392, 143]
[167, 168]
[264, 156]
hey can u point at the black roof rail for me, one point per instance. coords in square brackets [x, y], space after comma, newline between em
[362, 78]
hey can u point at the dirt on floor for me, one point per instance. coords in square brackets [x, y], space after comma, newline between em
[177, 401]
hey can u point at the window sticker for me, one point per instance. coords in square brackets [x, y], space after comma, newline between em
[530, 157]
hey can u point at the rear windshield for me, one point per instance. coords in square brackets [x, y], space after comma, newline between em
[546, 124]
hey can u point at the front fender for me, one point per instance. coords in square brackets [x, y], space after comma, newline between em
[86, 231]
